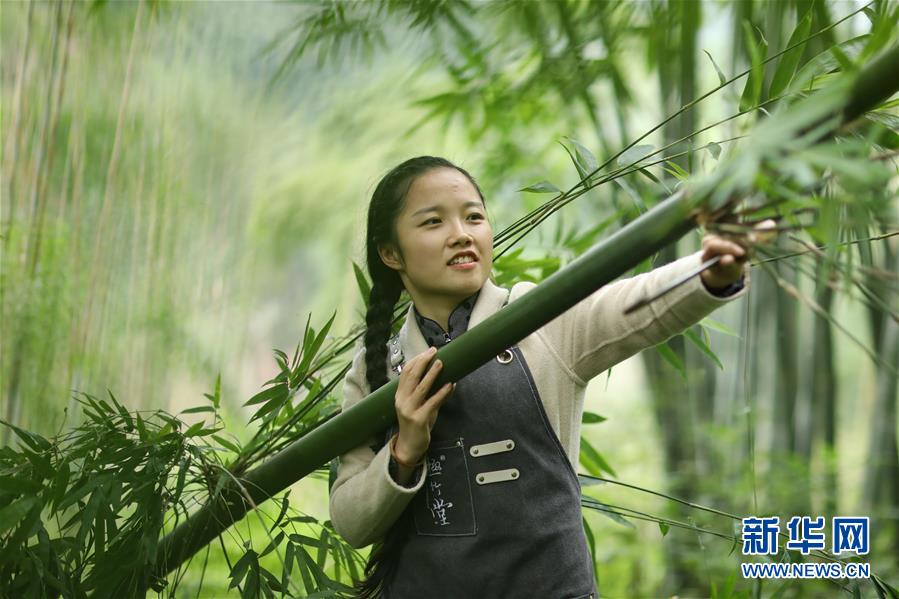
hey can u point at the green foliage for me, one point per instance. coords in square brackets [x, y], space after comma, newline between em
[84, 510]
[88, 505]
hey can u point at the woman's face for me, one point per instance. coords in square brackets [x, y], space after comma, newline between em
[445, 241]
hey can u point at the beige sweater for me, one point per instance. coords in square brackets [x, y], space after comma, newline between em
[562, 355]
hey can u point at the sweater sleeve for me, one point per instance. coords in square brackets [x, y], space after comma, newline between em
[365, 500]
[595, 334]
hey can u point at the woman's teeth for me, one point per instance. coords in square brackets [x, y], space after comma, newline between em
[462, 260]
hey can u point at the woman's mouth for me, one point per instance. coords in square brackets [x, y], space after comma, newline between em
[463, 262]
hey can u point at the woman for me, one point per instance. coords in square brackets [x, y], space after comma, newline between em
[474, 492]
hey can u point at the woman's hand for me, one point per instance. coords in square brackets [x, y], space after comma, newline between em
[733, 251]
[416, 412]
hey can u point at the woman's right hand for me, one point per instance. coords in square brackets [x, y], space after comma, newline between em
[416, 412]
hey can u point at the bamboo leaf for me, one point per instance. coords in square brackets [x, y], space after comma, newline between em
[591, 418]
[541, 187]
[721, 78]
[198, 410]
[591, 542]
[306, 540]
[217, 396]
[126, 417]
[310, 350]
[605, 510]
[700, 343]
[843, 59]
[273, 544]
[226, 443]
[303, 560]
[240, 568]
[32, 440]
[593, 460]
[789, 62]
[582, 173]
[882, 29]
[12, 514]
[669, 356]
[362, 283]
[199, 430]
[60, 484]
[718, 326]
[18, 486]
[635, 154]
[584, 157]
[285, 503]
[281, 359]
[276, 391]
[664, 528]
[632, 193]
[752, 92]
[676, 170]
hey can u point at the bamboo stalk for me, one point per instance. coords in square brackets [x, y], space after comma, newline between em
[15, 130]
[44, 177]
[44, 139]
[29, 255]
[111, 171]
[625, 249]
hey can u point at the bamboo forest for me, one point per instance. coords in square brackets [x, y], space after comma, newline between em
[183, 280]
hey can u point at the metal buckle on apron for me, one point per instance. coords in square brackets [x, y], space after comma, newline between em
[397, 359]
[504, 356]
[480, 451]
[497, 476]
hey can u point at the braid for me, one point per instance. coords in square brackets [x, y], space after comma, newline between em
[378, 319]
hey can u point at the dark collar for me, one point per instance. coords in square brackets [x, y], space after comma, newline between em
[458, 323]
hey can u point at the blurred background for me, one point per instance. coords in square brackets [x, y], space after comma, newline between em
[184, 183]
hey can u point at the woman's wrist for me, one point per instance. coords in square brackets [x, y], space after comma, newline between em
[402, 457]
[726, 289]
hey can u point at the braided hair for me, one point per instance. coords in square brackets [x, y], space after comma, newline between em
[386, 204]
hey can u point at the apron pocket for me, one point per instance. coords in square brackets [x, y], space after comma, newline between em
[444, 506]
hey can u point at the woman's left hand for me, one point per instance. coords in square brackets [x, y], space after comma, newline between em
[733, 251]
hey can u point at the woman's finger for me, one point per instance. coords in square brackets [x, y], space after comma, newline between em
[428, 380]
[412, 371]
[433, 403]
[763, 232]
[719, 246]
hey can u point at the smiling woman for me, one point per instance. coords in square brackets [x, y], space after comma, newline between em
[443, 249]
[484, 499]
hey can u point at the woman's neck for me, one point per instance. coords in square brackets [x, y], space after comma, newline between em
[438, 312]
[438, 309]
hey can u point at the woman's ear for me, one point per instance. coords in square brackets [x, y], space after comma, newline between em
[390, 256]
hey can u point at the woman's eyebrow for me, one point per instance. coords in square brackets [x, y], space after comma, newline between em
[468, 204]
[427, 209]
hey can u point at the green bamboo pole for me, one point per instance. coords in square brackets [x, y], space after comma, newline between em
[625, 249]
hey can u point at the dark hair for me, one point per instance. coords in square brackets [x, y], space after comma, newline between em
[386, 204]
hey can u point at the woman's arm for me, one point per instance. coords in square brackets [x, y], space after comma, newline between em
[365, 499]
[596, 334]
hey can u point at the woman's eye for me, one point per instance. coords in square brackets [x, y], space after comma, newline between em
[432, 221]
[476, 216]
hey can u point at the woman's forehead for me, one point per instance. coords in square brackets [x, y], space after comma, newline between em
[440, 188]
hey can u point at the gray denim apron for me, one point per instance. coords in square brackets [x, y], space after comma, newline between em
[499, 514]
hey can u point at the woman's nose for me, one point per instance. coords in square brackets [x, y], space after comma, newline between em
[460, 235]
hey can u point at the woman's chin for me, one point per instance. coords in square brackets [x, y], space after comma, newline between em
[465, 288]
